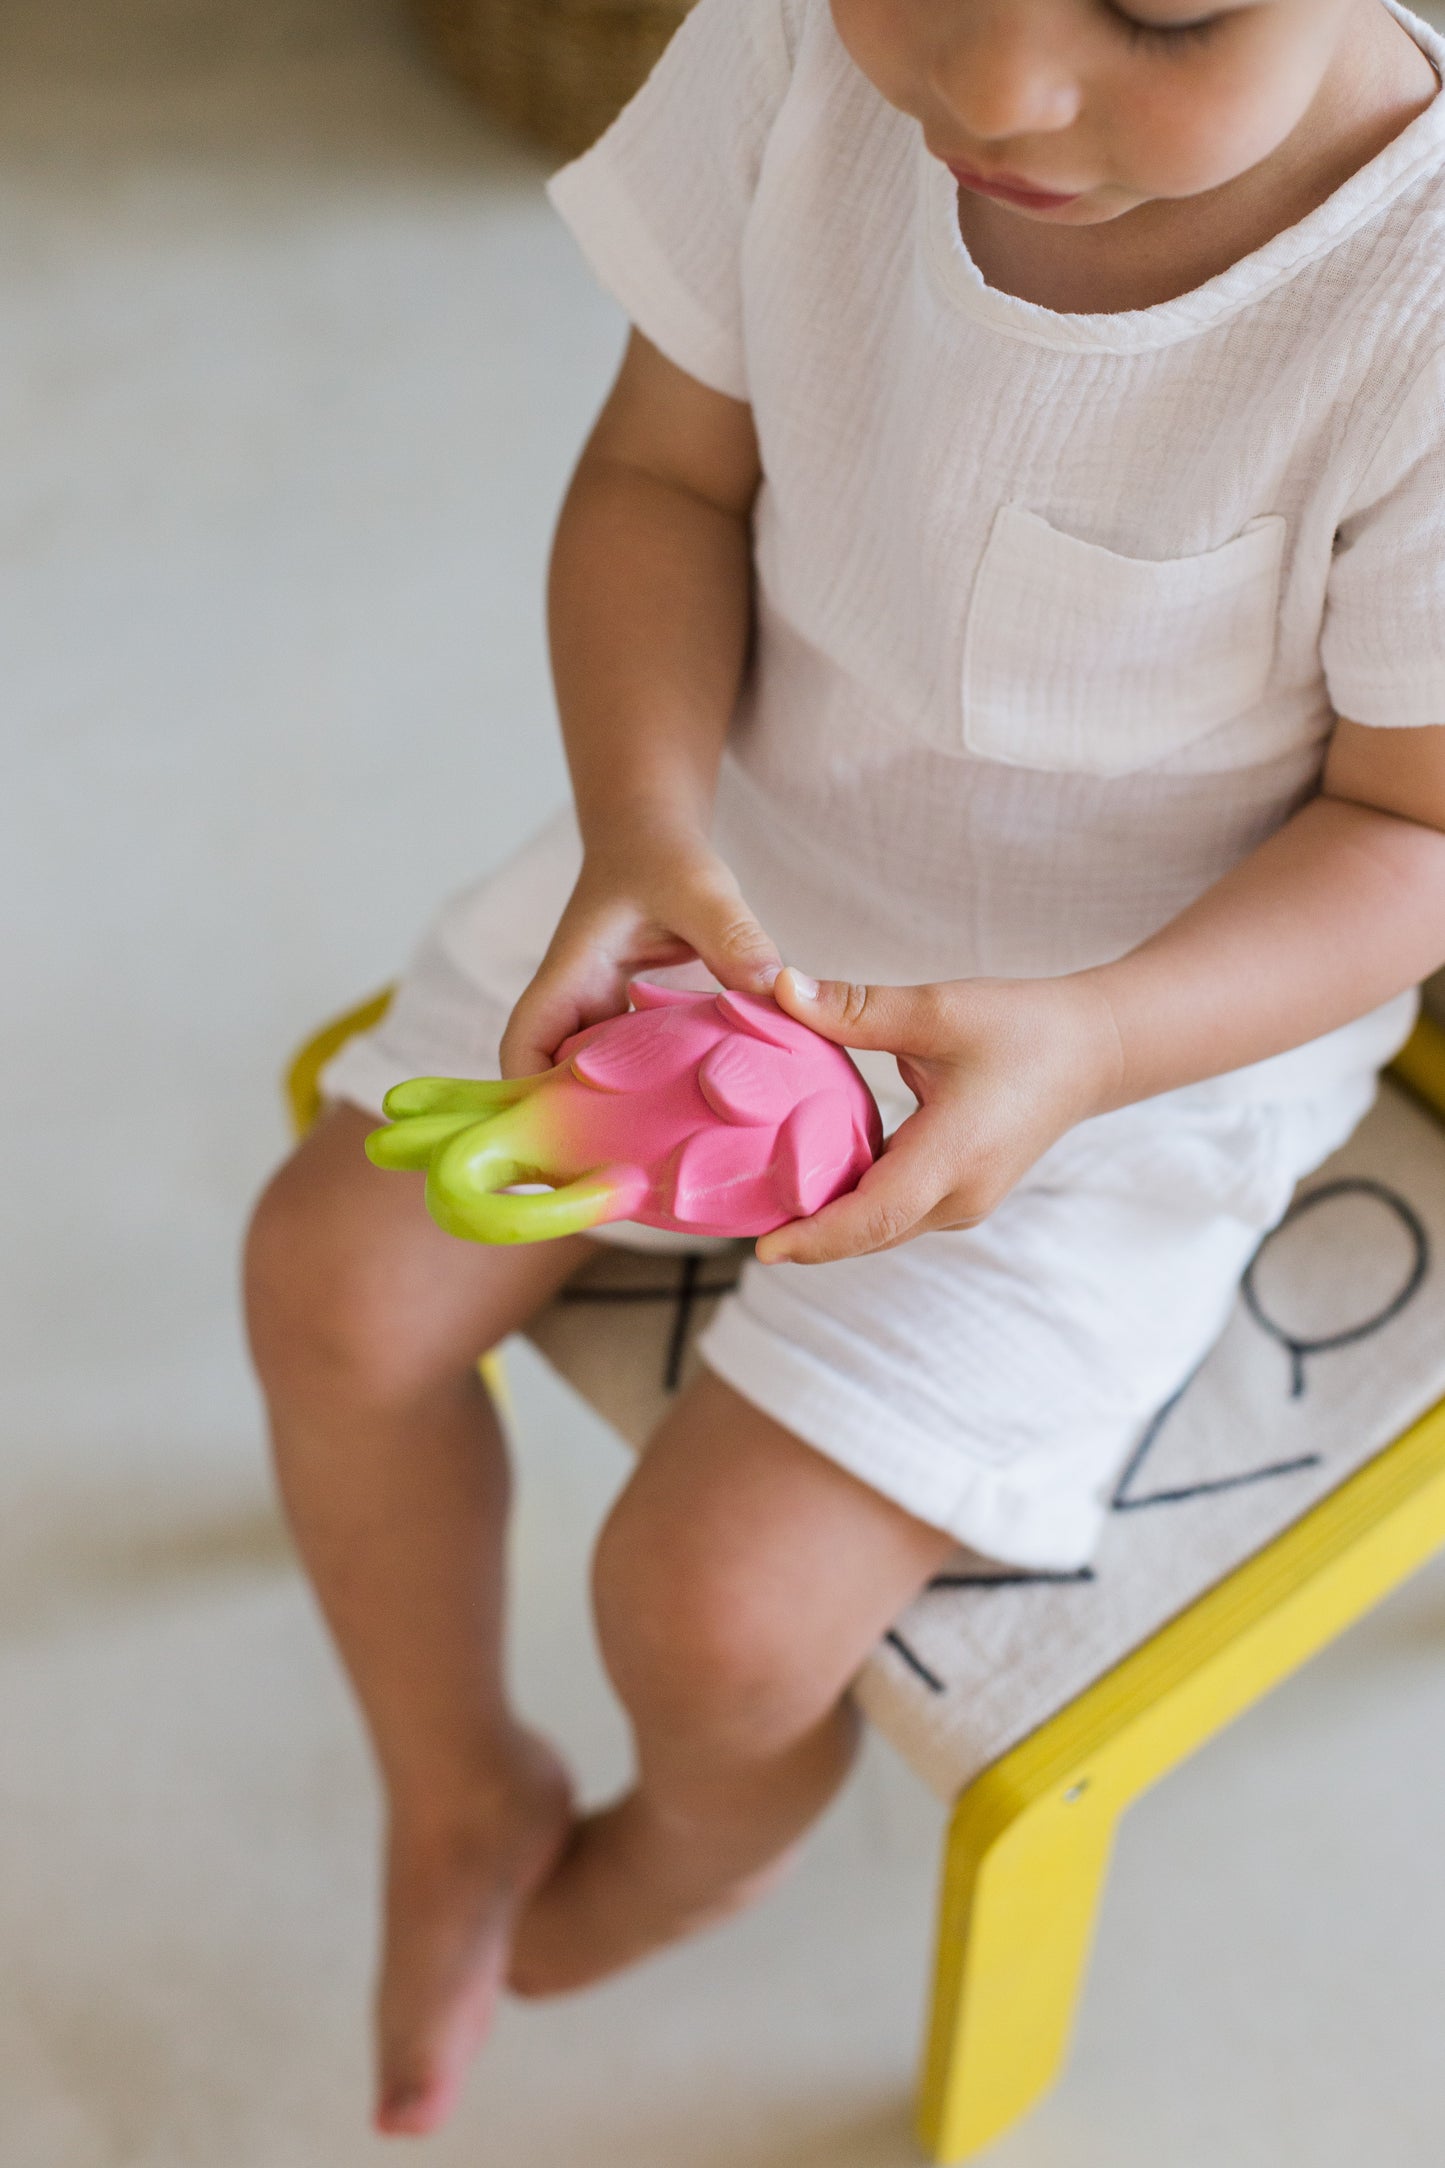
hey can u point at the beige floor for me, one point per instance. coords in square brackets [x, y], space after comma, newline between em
[292, 364]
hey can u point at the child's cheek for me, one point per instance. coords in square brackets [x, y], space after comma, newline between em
[1182, 137]
[891, 43]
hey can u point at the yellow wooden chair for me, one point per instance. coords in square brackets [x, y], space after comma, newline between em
[1031, 1828]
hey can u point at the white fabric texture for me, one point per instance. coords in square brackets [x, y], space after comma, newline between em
[1055, 611]
[1336, 1345]
[1050, 613]
[990, 1381]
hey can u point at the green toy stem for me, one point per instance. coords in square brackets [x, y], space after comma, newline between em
[411, 1143]
[476, 1139]
[427, 1110]
[458, 1095]
[543, 1216]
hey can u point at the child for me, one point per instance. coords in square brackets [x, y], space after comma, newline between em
[1028, 450]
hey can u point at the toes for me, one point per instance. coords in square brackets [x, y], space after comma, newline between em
[414, 2092]
[438, 1996]
[413, 2111]
[451, 1905]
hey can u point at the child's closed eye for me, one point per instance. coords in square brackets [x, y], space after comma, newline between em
[1166, 35]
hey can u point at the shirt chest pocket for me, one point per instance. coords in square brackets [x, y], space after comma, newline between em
[1079, 659]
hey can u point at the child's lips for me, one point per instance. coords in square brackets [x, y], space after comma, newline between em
[1009, 188]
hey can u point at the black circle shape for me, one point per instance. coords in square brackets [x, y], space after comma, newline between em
[1300, 1350]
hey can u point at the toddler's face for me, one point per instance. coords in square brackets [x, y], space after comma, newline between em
[1107, 103]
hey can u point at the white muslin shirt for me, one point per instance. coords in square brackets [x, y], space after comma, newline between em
[1055, 613]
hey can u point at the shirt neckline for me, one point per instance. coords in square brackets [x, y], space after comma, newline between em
[1415, 151]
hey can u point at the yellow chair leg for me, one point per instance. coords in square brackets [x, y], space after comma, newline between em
[494, 1376]
[303, 1090]
[1030, 1838]
[1016, 1920]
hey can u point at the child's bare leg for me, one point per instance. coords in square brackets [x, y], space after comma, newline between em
[740, 1582]
[366, 1321]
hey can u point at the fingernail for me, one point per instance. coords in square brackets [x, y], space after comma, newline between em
[805, 988]
[768, 973]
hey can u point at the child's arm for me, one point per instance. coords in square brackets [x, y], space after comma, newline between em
[1341, 909]
[650, 614]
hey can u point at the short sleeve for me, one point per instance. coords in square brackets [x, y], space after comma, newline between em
[659, 203]
[1383, 641]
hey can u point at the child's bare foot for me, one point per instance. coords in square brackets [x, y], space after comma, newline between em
[456, 1880]
[628, 1884]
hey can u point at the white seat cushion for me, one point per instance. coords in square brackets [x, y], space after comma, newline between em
[1336, 1343]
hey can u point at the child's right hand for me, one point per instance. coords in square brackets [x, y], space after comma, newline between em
[646, 899]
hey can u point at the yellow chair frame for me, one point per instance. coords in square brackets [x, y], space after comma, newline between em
[1029, 1840]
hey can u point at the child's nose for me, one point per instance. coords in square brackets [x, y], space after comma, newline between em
[1005, 72]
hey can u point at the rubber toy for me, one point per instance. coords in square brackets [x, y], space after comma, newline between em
[711, 1114]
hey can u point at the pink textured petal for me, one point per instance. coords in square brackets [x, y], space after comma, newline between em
[645, 994]
[814, 1153]
[630, 1055]
[763, 1019]
[711, 1172]
[867, 1128]
[746, 1081]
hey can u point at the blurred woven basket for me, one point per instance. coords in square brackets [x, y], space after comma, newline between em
[559, 70]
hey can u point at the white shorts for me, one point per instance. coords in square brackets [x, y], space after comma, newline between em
[990, 1381]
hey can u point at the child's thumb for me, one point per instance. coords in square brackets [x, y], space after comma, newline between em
[735, 948]
[851, 1015]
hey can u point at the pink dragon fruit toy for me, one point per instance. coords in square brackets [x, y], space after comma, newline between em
[712, 1114]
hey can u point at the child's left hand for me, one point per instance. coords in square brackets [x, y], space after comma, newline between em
[1001, 1068]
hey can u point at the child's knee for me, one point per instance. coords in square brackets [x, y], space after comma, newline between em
[695, 1646]
[325, 1310]
[303, 1315]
